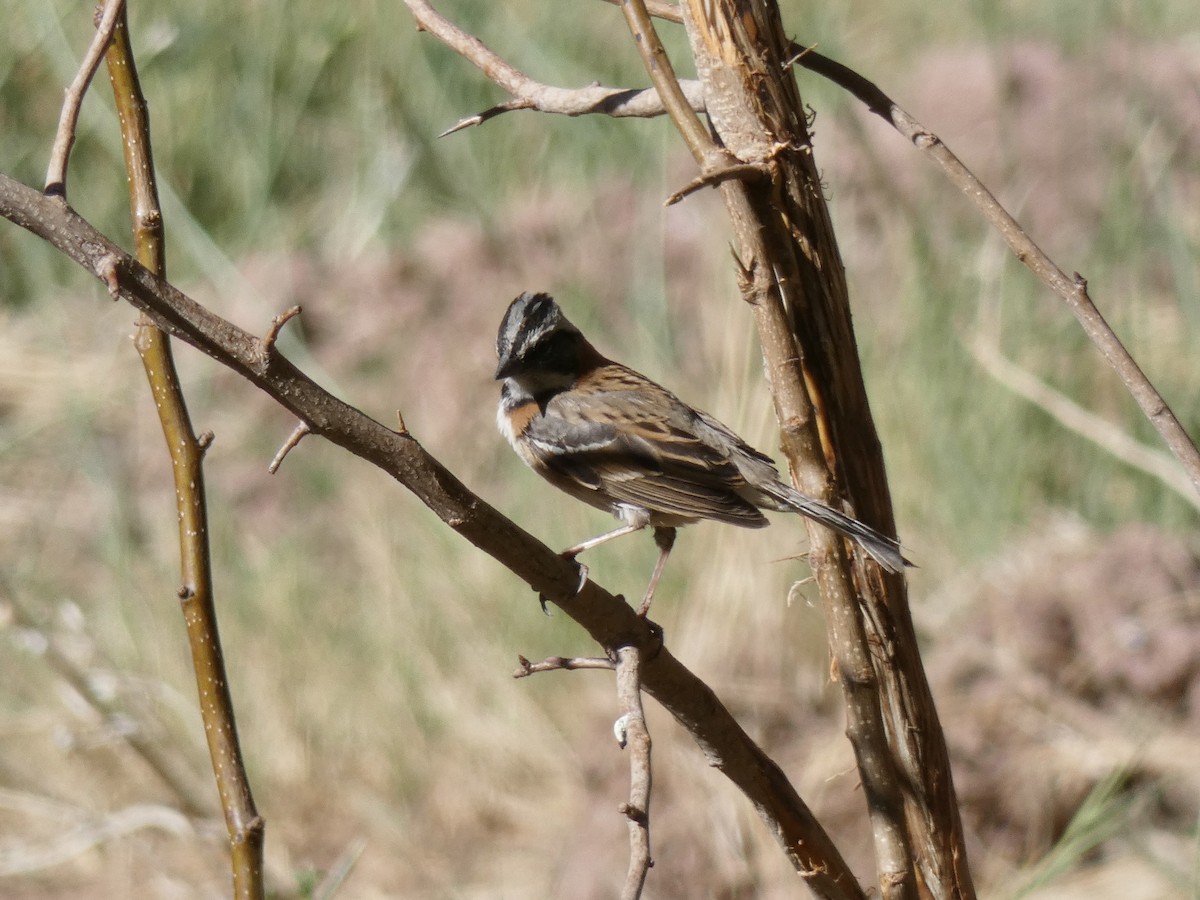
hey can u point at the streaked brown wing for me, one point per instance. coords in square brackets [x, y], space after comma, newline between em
[624, 436]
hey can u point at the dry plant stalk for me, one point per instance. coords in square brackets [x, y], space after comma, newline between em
[793, 275]
[186, 451]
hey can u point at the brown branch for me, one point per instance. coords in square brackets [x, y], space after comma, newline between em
[789, 262]
[527, 93]
[186, 452]
[68, 119]
[662, 74]
[632, 733]
[609, 620]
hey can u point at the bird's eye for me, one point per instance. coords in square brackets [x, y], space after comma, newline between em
[556, 353]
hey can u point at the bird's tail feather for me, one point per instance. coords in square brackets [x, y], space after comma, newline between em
[884, 550]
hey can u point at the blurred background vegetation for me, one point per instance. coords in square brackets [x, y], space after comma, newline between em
[370, 649]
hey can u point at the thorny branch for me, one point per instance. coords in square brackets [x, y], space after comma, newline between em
[609, 620]
[186, 451]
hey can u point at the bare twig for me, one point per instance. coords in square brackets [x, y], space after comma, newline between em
[607, 618]
[244, 825]
[68, 119]
[525, 668]
[530, 94]
[632, 733]
[1071, 415]
[297, 435]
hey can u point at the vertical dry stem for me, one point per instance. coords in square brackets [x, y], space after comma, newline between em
[186, 451]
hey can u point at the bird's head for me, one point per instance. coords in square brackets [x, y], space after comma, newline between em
[538, 346]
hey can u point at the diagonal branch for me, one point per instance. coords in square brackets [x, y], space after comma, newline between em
[595, 99]
[609, 620]
[1071, 290]
[68, 120]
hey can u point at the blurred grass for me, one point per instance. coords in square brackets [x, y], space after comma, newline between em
[369, 649]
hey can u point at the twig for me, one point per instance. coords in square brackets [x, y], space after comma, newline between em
[297, 435]
[277, 323]
[530, 94]
[632, 733]
[1071, 415]
[244, 825]
[525, 668]
[609, 620]
[68, 118]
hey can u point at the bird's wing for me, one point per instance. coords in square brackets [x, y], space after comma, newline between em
[632, 440]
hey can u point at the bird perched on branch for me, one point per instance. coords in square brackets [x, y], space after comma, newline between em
[614, 439]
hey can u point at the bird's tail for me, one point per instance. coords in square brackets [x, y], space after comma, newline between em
[884, 550]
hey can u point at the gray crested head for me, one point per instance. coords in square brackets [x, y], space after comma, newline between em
[527, 333]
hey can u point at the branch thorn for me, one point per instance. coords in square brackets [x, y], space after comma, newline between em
[296, 437]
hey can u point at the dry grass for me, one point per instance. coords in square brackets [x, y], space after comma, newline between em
[370, 652]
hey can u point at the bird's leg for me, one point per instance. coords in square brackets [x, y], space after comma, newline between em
[572, 552]
[665, 539]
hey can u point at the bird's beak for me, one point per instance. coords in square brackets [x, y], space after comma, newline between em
[507, 366]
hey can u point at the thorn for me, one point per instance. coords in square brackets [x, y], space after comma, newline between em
[277, 323]
[296, 437]
[746, 171]
[106, 268]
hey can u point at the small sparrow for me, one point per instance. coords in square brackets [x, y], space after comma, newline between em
[614, 439]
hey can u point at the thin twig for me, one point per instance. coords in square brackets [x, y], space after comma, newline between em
[632, 733]
[277, 323]
[1087, 424]
[525, 668]
[695, 133]
[68, 118]
[297, 435]
[530, 94]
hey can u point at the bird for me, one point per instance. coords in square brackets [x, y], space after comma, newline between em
[618, 441]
